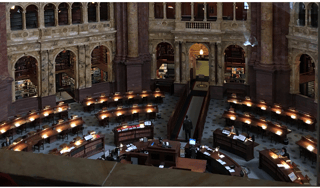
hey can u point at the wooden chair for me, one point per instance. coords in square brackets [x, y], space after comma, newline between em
[9, 134]
[135, 117]
[151, 115]
[36, 123]
[104, 122]
[64, 134]
[79, 130]
[39, 145]
[302, 152]
[120, 118]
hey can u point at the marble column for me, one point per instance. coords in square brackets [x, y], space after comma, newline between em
[151, 11]
[192, 11]
[88, 66]
[212, 64]
[246, 68]
[220, 66]
[178, 11]
[205, 12]
[44, 73]
[316, 90]
[70, 15]
[306, 16]
[24, 23]
[266, 33]
[164, 10]
[219, 11]
[56, 17]
[98, 12]
[183, 63]
[187, 64]
[234, 11]
[111, 14]
[51, 73]
[177, 61]
[85, 13]
[133, 49]
[41, 18]
[82, 66]
[153, 66]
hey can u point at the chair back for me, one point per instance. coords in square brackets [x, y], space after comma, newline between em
[294, 165]
[307, 177]
[253, 138]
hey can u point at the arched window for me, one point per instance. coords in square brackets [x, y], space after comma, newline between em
[104, 11]
[170, 10]
[31, 17]
[165, 60]
[63, 14]
[241, 11]
[234, 64]
[158, 10]
[16, 18]
[185, 11]
[198, 11]
[92, 12]
[314, 15]
[49, 15]
[227, 12]
[26, 79]
[307, 76]
[76, 13]
[211, 11]
[302, 13]
[99, 64]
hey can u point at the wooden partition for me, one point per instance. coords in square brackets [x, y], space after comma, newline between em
[202, 118]
[175, 114]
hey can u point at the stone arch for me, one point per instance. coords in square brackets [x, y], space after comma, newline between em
[238, 74]
[193, 61]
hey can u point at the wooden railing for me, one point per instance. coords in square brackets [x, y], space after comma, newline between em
[202, 118]
[175, 114]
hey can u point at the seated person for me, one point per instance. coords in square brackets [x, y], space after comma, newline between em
[233, 130]
[284, 153]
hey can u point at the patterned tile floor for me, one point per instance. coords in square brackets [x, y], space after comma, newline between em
[213, 121]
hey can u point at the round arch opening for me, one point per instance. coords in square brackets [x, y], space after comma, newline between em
[100, 58]
[306, 76]
[26, 77]
[65, 75]
[234, 59]
[165, 61]
[199, 61]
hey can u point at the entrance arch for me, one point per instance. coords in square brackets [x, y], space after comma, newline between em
[199, 61]
[65, 64]
[306, 76]
[235, 62]
[165, 61]
[100, 58]
[26, 78]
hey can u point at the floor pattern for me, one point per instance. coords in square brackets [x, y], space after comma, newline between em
[213, 121]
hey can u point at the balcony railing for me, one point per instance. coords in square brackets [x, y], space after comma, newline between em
[198, 25]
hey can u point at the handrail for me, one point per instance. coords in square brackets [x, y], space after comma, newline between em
[202, 118]
[175, 114]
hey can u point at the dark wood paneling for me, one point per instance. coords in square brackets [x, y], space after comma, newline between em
[305, 104]
[95, 90]
[216, 92]
[48, 100]
[24, 105]
[265, 85]
[178, 89]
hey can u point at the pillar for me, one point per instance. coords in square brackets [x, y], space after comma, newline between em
[187, 64]
[177, 61]
[192, 11]
[183, 63]
[178, 11]
[234, 11]
[151, 11]
[205, 12]
[154, 66]
[52, 74]
[219, 11]
[246, 68]
[98, 12]
[212, 66]
[56, 16]
[316, 90]
[133, 50]
[306, 16]
[88, 80]
[266, 33]
[164, 10]
[111, 15]
[24, 23]
[294, 78]
[44, 73]
[70, 15]
[41, 18]
[220, 66]
[82, 66]
[85, 13]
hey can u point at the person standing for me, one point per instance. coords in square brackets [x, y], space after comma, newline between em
[187, 127]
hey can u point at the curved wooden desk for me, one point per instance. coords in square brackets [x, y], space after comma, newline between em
[268, 161]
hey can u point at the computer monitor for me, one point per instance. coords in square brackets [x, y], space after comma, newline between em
[192, 141]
